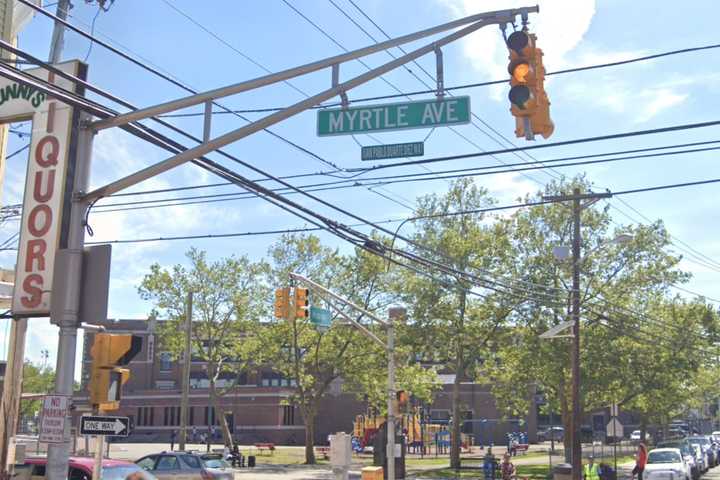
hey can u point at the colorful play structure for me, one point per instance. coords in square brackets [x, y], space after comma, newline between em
[421, 437]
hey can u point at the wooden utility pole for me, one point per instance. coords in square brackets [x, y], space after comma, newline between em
[187, 357]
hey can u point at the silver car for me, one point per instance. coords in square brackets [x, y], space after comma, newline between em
[186, 466]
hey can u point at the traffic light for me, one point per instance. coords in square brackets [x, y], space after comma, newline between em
[529, 102]
[282, 303]
[302, 303]
[110, 353]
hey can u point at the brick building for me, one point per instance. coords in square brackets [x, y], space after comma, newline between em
[255, 406]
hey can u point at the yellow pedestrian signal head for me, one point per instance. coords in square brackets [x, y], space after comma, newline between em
[110, 353]
[302, 303]
[282, 302]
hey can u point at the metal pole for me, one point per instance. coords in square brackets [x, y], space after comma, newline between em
[13, 386]
[274, 118]
[186, 374]
[576, 446]
[59, 453]
[391, 401]
[58, 32]
[501, 16]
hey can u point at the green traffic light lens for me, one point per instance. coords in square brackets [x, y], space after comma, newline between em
[519, 96]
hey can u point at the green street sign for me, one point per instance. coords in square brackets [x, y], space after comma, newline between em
[394, 116]
[394, 150]
[320, 317]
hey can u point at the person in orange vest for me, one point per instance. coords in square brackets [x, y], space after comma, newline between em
[640, 461]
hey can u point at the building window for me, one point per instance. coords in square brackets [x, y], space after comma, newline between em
[288, 415]
[192, 416]
[210, 416]
[165, 384]
[165, 416]
[165, 361]
[145, 416]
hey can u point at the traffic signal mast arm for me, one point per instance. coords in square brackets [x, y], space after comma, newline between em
[476, 22]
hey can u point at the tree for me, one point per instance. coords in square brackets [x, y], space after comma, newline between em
[36, 379]
[454, 319]
[616, 282]
[313, 358]
[229, 299]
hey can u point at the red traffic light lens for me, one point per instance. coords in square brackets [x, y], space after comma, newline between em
[519, 96]
[518, 41]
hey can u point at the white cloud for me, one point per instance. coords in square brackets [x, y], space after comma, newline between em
[657, 100]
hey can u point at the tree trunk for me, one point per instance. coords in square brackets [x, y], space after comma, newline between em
[309, 418]
[224, 427]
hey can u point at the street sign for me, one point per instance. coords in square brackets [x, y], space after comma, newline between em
[614, 410]
[393, 116]
[54, 412]
[320, 317]
[110, 426]
[394, 150]
[614, 428]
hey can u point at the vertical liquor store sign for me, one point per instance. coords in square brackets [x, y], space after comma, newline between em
[48, 185]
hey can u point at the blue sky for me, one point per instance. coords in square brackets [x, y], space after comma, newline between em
[662, 92]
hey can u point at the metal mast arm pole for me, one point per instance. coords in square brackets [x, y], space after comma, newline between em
[501, 16]
[271, 119]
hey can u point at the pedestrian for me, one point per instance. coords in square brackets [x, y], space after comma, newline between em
[208, 439]
[507, 469]
[489, 465]
[194, 434]
[640, 461]
[591, 470]
[172, 440]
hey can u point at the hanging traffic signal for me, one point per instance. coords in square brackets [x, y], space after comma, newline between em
[282, 303]
[110, 353]
[302, 303]
[403, 401]
[529, 103]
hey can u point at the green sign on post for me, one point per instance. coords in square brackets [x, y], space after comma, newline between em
[394, 116]
[320, 317]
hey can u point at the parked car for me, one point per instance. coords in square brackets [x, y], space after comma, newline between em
[700, 458]
[688, 453]
[81, 469]
[667, 464]
[554, 433]
[706, 446]
[187, 466]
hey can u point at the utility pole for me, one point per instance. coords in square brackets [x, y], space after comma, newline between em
[186, 374]
[576, 420]
[58, 36]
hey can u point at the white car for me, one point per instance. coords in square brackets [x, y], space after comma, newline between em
[635, 436]
[666, 464]
[700, 458]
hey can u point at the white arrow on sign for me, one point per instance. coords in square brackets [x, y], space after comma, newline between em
[119, 426]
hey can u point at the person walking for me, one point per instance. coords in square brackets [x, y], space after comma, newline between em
[591, 470]
[640, 461]
[194, 434]
[172, 440]
[507, 469]
[489, 465]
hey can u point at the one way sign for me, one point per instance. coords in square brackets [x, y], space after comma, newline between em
[110, 426]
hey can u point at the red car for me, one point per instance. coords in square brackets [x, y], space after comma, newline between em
[81, 469]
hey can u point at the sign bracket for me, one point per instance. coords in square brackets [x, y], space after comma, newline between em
[439, 73]
[335, 79]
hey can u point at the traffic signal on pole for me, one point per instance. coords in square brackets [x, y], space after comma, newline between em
[110, 353]
[302, 303]
[282, 303]
[529, 102]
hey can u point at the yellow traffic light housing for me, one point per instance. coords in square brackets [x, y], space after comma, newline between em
[110, 353]
[282, 303]
[529, 102]
[302, 302]
[403, 401]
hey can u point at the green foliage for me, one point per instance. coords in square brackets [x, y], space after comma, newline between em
[36, 379]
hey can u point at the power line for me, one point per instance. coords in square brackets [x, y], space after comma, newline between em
[394, 179]
[468, 85]
[447, 214]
